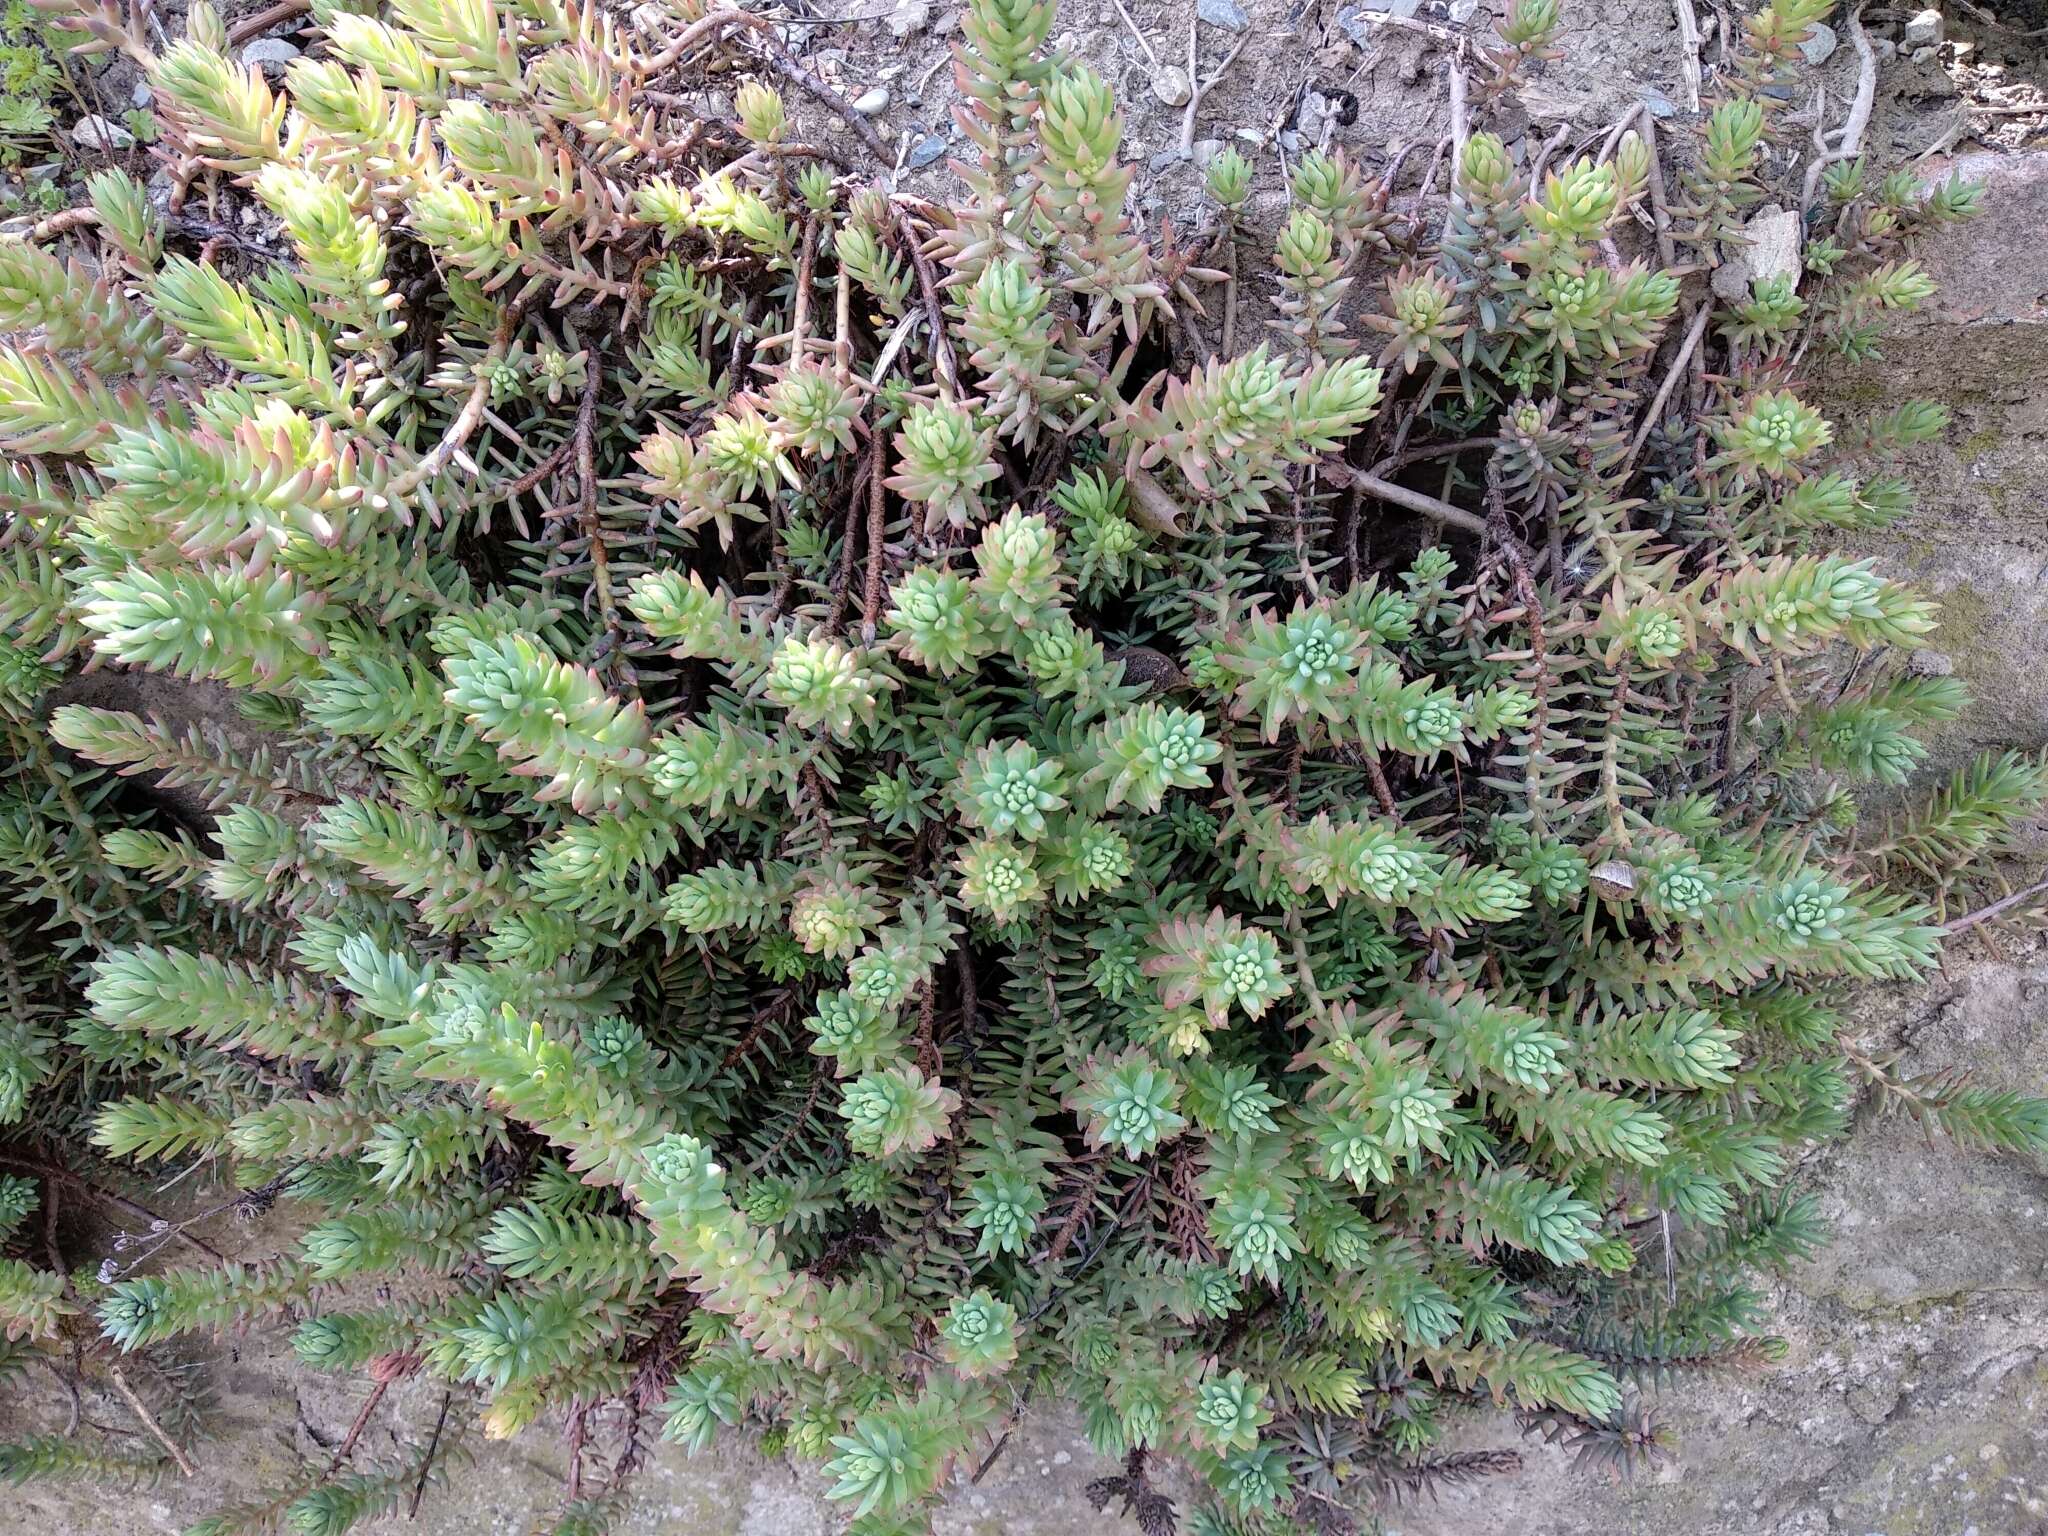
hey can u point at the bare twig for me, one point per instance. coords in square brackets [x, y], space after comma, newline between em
[1693, 333]
[257, 23]
[1621, 126]
[871, 597]
[1417, 24]
[61, 224]
[466, 421]
[1461, 129]
[528, 479]
[1986, 914]
[141, 1411]
[990, 1460]
[355, 1430]
[1689, 51]
[1401, 496]
[806, 265]
[419, 1487]
[1197, 88]
[1660, 211]
[1550, 146]
[1416, 454]
[934, 308]
[1142, 41]
[1849, 137]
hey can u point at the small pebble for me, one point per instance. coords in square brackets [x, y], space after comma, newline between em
[1223, 13]
[1171, 86]
[268, 51]
[1923, 55]
[926, 151]
[872, 103]
[1659, 104]
[1165, 160]
[1314, 116]
[1207, 150]
[1820, 44]
[141, 94]
[100, 133]
[1925, 29]
[908, 17]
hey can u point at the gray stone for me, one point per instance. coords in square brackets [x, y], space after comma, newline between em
[1313, 117]
[908, 17]
[1171, 86]
[270, 52]
[1207, 150]
[100, 133]
[1774, 238]
[1659, 104]
[1820, 44]
[872, 102]
[1164, 161]
[1223, 13]
[926, 151]
[140, 94]
[1924, 29]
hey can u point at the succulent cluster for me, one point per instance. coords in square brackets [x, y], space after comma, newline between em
[805, 850]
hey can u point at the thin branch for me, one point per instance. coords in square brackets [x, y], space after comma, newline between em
[806, 265]
[1197, 89]
[1550, 147]
[1986, 914]
[61, 224]
[466, 421]
[1660, 211]
[1689, 51]
[1693, 334]
[1142, 41]
[419, 1487]
[257, 23]
[1407, 456]
[1401, 496]
[141, 1411]
[1461, 130]
[871, 597]
[934, 308]
[355, 1430]
[1849, 137]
